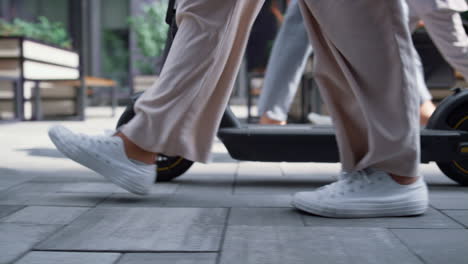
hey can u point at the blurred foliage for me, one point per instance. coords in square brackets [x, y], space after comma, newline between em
[115, 56]
[151, 32]
[44, 30]
[465, 16]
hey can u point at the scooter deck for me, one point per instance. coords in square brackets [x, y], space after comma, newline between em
[308, 143]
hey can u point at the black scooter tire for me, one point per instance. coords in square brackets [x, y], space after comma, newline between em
[454, 116]
[167, 167]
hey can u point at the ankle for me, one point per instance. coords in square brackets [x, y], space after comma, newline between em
[265, 120]
[426, 110]
[404, 180]
[134, 152]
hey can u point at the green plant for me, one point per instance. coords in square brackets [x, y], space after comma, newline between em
[115, 56]
[44, 30]
[464, 15]
[151, 32]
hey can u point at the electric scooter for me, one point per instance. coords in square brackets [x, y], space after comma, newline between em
[444, 140]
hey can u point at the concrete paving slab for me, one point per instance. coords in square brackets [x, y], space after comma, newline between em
[54, 199]
[213, 178]
[39, 257]
[460, 216]
[280, 178]
[90, 187]
[10, 177]
[265, 217]
[9, 209]
[168, 258]
[431, 219]
[107, 187]
[74, 173]
[70, 199]
[436, 245]
[45, 194]
[201, 200]
[132, 200]
[313, 171]
[227, 201]
[141, 229]
[451, 198]
[46, 215]
[298, 245]
[17, 239]
[257, 178]
[447, 190]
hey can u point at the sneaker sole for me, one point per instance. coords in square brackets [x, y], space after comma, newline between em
[372, 210]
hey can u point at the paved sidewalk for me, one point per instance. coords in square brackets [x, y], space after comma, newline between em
[52, 210]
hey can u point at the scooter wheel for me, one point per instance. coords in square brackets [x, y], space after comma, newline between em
[168, 168]
[457, 170]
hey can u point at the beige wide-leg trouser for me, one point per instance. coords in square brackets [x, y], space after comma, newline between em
[364, 67]
[366, 74]
[180, 114]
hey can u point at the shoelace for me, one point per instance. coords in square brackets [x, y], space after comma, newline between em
[94, 140]
[345, 182]
[352, 176]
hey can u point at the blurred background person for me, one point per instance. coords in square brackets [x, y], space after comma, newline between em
[292, 50]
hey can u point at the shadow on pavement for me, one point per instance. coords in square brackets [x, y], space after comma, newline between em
[43, 152]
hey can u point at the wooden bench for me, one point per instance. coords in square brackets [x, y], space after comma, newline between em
[33, 66]
[87, 81]
[90, 81]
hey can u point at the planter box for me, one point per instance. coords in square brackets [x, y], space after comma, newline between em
[30, 62]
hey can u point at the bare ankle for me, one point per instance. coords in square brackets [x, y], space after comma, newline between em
[426, 110]
[135, 152]
[265, 120]
[404, 180]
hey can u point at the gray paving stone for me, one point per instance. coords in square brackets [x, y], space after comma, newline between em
[259, 178]
[226, 201]
[8, 209]
[220, 153]
[431, 219]
[76, 174]
[11, 177]
[17, 239]
[449, 198]
[168, 258]
[437, 245]
[460, 216]
[45, 215]
[131, 200]
[200, 200]
[38, 257]
[447, 190]
[265, 217]
[141, 229]
[106, 187]
[93, 187]
[208, 179]
[45, 194]
[312, 171]
[278, 178]
[298, 245]
[42, 152]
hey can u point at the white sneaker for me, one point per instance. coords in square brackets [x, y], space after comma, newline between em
[105, 155]
[367, 193]
[317, 119]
